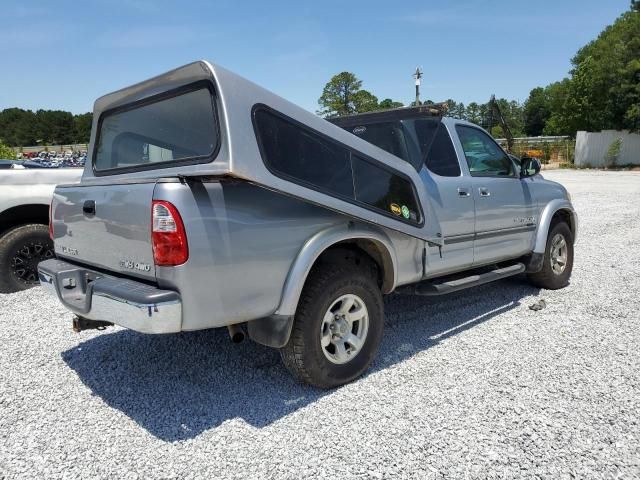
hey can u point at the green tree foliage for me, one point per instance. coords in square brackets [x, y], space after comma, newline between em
[337, 97]
[343, 95]
[456, 110]
[536, 112]
[603, 91]
[613, 152]
[20, 127]
[364, 101]
[387, 103]
[6, 152]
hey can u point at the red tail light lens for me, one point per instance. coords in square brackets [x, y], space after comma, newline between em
[168, 237]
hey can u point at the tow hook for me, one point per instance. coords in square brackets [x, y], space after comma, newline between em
[81, 323]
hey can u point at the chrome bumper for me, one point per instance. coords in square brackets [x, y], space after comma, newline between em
[125, 302]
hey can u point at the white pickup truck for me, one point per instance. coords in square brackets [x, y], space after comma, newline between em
[25, 195]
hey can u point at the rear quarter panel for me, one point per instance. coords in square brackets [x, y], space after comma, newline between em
[242, 242]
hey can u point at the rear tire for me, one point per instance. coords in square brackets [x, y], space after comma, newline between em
[338, 325]
[21, 250]
[558, 259]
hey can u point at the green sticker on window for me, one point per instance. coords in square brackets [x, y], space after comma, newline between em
[405, 212]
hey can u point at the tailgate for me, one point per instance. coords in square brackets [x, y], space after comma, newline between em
[107, 226]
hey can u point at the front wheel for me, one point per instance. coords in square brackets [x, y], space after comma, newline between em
[338, 326]
[21, 250]
[558, 259]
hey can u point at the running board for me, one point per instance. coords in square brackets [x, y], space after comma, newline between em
[431, 289]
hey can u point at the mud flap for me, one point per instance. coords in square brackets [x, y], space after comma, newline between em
[273, 331]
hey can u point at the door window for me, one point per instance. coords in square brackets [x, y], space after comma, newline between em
[484, 157]
[441, 158]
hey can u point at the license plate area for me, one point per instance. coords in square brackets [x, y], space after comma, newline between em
[75, 288]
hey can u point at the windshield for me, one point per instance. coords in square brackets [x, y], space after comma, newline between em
[178, 129]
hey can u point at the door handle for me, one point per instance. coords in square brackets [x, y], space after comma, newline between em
[484, 192]
[463, 192]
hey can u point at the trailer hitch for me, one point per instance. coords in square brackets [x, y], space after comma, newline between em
[81, 323]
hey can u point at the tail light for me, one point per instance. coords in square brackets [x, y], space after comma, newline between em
[168, 237]
[51, 220]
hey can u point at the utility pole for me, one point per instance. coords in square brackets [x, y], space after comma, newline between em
[418, 76]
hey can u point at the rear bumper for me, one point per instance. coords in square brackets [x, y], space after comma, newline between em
[125, 302]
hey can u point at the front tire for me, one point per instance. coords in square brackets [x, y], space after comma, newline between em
[558, 259]
[21, 250]
[338, 325]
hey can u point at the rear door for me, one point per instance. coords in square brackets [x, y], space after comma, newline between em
[504, 205]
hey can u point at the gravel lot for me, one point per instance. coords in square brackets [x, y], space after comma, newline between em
[474, 385]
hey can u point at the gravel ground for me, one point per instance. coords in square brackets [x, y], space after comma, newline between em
[474, 385]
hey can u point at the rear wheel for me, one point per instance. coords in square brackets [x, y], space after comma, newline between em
[338, 325]
[558, 259]
[21, 250]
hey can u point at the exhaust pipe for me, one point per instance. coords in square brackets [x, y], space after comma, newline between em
[236, 333]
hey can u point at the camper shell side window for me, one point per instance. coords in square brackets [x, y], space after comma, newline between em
[297, 153]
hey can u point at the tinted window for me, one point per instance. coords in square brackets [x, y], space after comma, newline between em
[168, 130]
[299, 153]
[484, 156]
[441, 158]
[384, 190]
[387, 136]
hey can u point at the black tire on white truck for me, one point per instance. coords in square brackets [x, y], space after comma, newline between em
[21, 249]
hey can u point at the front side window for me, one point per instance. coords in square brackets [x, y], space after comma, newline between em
[158, 134]
[484, 157]
[298, 153]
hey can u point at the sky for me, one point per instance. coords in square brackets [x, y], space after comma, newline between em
[65, 54]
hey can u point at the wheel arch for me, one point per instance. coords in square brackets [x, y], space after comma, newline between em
[22, 215]
[552, 212]
[372, 242]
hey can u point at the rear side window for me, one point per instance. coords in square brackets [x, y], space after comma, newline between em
[303, 156]
[441, 158]
[298, 153]
[383, 190]
[179, 129]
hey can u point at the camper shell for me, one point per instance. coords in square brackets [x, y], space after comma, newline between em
[237, 102]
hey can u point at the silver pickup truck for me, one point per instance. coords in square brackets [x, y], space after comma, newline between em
[25, 195]
[210, 202]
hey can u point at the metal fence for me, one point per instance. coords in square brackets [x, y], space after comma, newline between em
[546, 149]
[592, 148]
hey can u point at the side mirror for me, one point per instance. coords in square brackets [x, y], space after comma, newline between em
[530, 166]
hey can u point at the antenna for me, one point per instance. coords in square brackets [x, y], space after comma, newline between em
[418, 76]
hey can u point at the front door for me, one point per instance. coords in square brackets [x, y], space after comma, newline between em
[505, 208]
[450, 193]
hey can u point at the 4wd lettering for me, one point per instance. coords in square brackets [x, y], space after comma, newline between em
[130, 265]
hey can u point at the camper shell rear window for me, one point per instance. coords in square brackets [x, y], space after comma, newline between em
[174, 128]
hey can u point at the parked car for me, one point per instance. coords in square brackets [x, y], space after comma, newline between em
[212, 202]
[25, 195]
